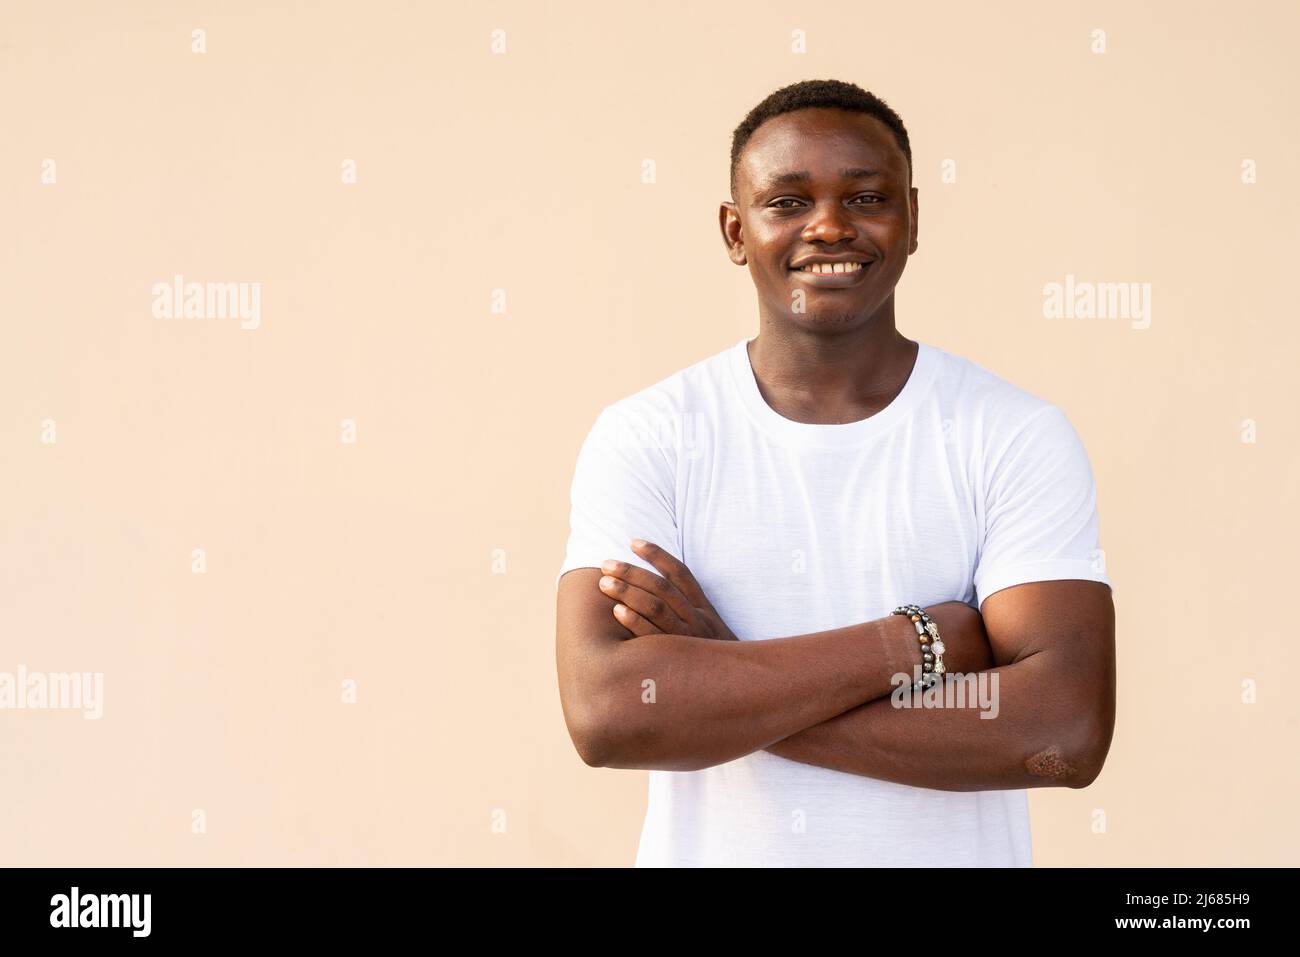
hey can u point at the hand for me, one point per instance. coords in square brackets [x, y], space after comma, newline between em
[672, 605]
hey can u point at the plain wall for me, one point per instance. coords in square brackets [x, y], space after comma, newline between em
[419, 561]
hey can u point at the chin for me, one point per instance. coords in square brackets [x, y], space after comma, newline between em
[831, 319]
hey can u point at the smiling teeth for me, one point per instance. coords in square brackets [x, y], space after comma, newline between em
[832, 267]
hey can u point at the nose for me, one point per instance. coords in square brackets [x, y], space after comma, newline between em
[829, 224]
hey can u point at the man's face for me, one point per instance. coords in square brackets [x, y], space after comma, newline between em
[822, 184]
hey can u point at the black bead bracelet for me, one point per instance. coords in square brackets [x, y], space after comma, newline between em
[932, 649]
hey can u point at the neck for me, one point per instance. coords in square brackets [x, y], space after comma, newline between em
[820, 378]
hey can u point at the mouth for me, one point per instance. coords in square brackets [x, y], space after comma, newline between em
[833, 274]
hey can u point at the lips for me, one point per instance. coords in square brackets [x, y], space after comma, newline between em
[827, 268]
[833, 279]
[825, 259]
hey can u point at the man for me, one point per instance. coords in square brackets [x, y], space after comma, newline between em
[792, 491]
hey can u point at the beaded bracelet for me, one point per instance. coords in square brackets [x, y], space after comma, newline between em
[932, 649]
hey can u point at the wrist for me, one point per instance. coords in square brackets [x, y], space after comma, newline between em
[898, 646]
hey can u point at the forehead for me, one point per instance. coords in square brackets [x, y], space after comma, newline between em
[823, 142]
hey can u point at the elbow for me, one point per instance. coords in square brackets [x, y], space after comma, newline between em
[595, 719]
[597, 747]
[1092, 758]
[586, 703]
[1092, 746]
[591, 752]
[612, 725]
[1076, 751]
[607, 738]
[610, 734]
[586, 731]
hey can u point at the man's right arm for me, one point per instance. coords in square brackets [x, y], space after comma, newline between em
[680, 703]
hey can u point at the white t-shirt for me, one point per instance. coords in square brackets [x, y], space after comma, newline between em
[963, 485]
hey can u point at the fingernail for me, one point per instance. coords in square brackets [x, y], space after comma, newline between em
[609, 566]
[637, 543]
[606, 582]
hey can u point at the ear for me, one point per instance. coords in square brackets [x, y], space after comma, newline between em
[732, 233]
[911, 245]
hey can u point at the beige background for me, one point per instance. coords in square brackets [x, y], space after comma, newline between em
[521, 171]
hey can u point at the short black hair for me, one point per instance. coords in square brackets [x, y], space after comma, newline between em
[809, 94]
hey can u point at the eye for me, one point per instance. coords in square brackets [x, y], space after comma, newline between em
[776, 204]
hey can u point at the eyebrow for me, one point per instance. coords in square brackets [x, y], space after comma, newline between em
[803, 176]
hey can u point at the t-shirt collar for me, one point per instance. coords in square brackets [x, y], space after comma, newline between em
[828, 436]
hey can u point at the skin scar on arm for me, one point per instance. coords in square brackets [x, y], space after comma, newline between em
[1049, 764]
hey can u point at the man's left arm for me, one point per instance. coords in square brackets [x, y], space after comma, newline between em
[1050, 622]
[1043, 717]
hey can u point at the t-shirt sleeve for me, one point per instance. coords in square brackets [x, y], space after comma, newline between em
[1041, 521]
[623, 488]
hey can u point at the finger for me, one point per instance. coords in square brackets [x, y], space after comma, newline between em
[674, 571]
[648, 581]
[650, 607]
[633, 622]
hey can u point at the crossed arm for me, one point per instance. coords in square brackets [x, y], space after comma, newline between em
[638, 696]
[1053, 644]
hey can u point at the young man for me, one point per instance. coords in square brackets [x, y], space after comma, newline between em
[794, 490]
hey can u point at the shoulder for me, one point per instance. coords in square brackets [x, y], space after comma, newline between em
[669, 414]
[1000, 412]
[663, 405]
